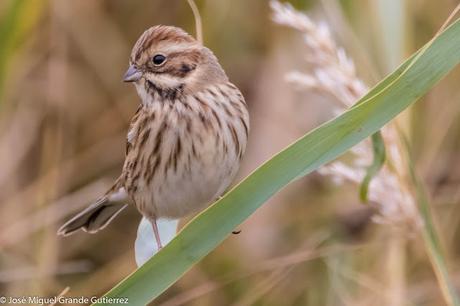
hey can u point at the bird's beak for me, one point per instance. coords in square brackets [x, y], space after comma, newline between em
[132, 74]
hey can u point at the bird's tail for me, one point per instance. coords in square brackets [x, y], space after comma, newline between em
[98, 214]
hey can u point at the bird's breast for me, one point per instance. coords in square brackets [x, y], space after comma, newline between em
[186, 152]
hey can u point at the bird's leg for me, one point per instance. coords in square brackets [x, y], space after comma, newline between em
[156, 232]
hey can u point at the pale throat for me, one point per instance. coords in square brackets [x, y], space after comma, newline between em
[146, 98]
[159, 85]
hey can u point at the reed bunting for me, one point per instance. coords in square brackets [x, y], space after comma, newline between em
[186, 139]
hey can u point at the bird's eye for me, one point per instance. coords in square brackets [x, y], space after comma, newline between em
[158, 59]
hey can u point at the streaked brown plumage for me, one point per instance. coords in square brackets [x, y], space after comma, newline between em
[185, 141]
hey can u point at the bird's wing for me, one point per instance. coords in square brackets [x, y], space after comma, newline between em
[132, 132]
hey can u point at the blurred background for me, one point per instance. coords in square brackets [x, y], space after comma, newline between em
[64, 113]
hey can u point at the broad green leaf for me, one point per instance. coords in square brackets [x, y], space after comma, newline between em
[325, 143]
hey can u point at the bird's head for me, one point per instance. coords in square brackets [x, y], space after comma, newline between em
[167, 60]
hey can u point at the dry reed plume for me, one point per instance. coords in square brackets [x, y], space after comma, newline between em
[332, 72]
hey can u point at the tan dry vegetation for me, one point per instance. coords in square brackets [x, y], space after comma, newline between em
[63, 118]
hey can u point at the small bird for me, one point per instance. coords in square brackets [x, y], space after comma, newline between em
[186, 139]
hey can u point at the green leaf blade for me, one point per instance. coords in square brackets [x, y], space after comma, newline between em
[325, 143]
[378, 148]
